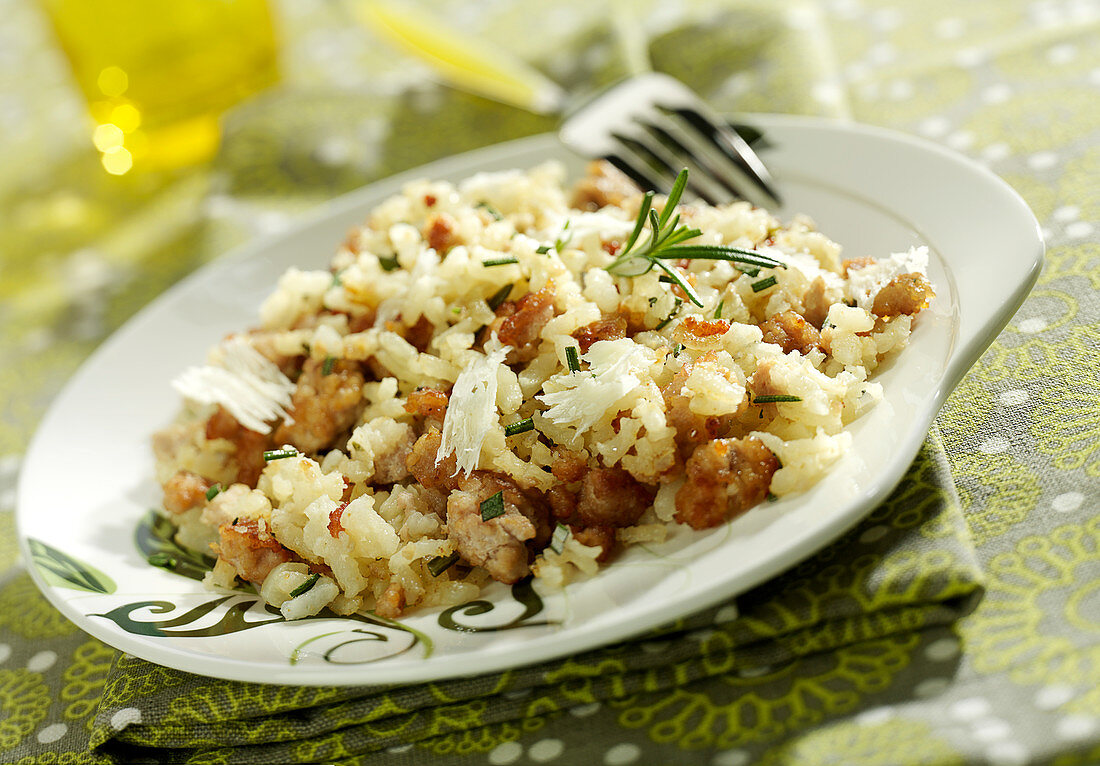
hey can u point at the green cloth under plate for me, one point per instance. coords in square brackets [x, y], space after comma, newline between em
[958, 624]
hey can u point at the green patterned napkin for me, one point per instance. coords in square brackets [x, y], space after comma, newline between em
[909, 566]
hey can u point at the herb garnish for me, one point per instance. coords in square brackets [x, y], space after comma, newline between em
[327, 365]
[671, 315]
[564, 238]
[497, 298]
[388, 262]
[498, 261]
[557, 542]
[572, 359]
[764, 284]
[519, 427]
[718, 311]
[304, 587]
[666, 240]
[279, 454]
[441, 564]
[493, 506]
[490, 210]
[213, 492]
[771, 398]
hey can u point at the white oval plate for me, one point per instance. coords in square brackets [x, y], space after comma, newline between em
[87, 479]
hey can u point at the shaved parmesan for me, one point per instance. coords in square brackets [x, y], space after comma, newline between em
[472, 411]
[243, 381]
[579, 400]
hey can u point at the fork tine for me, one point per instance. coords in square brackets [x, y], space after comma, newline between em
[680, 131]
[742, 160]
[677, 154]
[661, 165]
[632, 168]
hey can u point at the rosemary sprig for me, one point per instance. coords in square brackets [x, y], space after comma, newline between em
[666, 242]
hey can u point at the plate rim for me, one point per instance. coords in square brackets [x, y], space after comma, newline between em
[961, 357]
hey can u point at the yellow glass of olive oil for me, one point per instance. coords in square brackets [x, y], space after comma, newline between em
[158, 74]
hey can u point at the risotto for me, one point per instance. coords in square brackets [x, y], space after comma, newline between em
[509, 376]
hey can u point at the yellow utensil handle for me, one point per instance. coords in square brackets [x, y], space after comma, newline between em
[460, 60]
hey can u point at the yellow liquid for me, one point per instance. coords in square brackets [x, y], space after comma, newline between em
[158, 74]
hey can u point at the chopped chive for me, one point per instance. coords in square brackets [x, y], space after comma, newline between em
[492, 506]
[564, 238]
[718, 311]
[456, 311]
[499, 297]
[213, 492]
[490, 210]
[498, 261]
[520, 427]
[388, 262]
[667, 280]
[279, 454]
[441, 564]
[542, 249]
[327, 365]
[671, 315]
[750, 270]
[770, 398]
[572, 359]
[336, 280]
[677, 349]
[557, 542]
[304, 587]
[772, 498]
[764, 284]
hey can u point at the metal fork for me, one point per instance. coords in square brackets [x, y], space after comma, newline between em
[651, 125]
